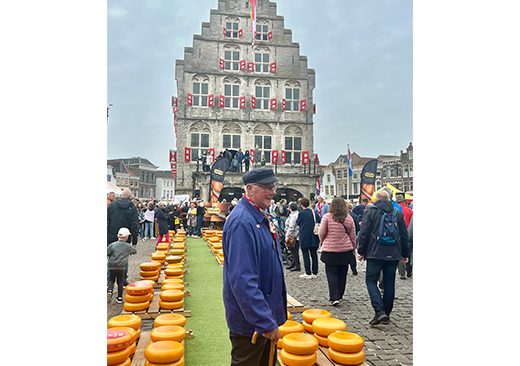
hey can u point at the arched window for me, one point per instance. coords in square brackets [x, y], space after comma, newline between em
[263, 142]
[200, 90]
[231, 27]
[231, 57]
[199, 139]
[231, 136]
[293, 145]
[231, 92]
[262, 59]
[292, 96]
[262, 30]
[262, 94]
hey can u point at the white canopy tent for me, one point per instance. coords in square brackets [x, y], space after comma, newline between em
[111, 187]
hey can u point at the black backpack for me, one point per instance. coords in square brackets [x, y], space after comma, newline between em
[388, 231]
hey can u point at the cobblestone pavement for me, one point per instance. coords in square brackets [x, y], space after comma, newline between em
[144, 249]
[385, 345]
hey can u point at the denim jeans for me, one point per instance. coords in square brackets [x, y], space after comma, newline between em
[199, 226]
[388, 268]
[309, 253]
[148, 229]
[141, 230]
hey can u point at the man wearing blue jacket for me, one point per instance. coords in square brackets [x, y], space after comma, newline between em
[254, 293]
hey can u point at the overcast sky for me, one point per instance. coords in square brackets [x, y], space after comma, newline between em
[361, 52]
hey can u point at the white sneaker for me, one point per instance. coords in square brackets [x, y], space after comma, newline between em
[153, 237]
[305, 275]
[313, 276]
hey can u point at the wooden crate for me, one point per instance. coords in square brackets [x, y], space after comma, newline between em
[154, 310]
[294, 306]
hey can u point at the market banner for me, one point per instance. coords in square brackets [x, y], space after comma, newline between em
[368, 180]
[216, 181]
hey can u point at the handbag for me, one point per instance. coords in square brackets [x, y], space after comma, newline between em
[316, 224]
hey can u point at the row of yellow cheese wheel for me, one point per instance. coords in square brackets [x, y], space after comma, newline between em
[214, 239]
[299, 348]
[167, 341]
[123, 331]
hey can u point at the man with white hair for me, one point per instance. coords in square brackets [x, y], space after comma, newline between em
[383, 242]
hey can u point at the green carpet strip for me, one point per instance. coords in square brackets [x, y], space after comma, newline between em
[210, 344]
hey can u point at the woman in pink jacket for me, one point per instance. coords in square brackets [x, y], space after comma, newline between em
[338, 240]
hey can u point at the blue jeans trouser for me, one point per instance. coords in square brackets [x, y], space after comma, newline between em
[148, 229]
[199, 226]
[309, 253]
[388, 269]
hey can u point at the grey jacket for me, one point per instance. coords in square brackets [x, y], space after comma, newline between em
[118, 253]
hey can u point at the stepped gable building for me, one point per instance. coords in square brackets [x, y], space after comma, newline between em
[233, 94]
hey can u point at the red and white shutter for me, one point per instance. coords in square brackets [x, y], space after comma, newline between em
[240, 32]
[274, 156]
[253, 102]
[211, 152]
[222, 101]
[283, 157]
[211, 100]
[284, 104]
[187, 154]
[270, 35]
[303, 105]
[189, 99]
[314, 108]
[221, 63]
[224, 31]
[175, 102]
[242, 102]
[272, 67]
[171, 156]
[305, 157]
[273, 103]
[252, 155]
[242, 64]
[251, 66]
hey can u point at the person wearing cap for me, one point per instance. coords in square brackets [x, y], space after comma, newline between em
[254, 291]
[118, 253]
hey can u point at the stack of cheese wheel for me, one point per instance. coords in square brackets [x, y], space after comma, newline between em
[346, 348]
[172, 284]
[168, 333]
[163, 248]
[310, 315]
[177, 249]
[299, 349]
[171, 299]
[174, 270]
[158, 257]
[169, 319]
[150, 271]
[166, 353]
[324, 326]
[173, 259]
[138, 295]
[290, 326]
[289, 316]
[134, 334]
[130, 324]
[118, 347]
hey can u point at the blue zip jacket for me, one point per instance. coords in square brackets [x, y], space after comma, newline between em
[254, 293]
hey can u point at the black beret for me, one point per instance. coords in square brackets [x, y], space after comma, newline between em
[259, 176]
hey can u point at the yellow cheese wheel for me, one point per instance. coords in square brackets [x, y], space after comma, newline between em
[172, 280]
[178, 246]
[299, 343]
[132, 348]
[346, 342]
[125, 320]
[346, 358]
[170, 319]
[149, 273]
[132, 331]
[289, 316]
[158, 256]
[138, 288]
[310, 315]
[172, 286]
[168, 333]
[154, 279]
[162, 246]
[114, 358]
[137, 298]
[279, 343]
[149, 282]
[136, 306]
[149, 266]
[126, 362]
[290, 359]
[178, 363]
[164, 351]
[325, 326]
[290, 326]
[171, 295]
[173, 271]
[173, 259]
[307, 326]
[179, 277]
[118, 339]
[171, 305]
[323, 341]
[177, 251]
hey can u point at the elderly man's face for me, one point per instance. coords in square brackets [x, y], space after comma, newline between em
[261, 194]
[111, 196]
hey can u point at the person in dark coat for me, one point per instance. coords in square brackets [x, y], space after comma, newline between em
[309, 242]
[122, 213]
[381, 258]
[359, 210]
[162, 216]
[200, 217]
[247, 159]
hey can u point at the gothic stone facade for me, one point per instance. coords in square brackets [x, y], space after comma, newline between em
[233, 94]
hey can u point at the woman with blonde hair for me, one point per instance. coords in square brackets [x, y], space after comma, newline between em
[338, 237]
